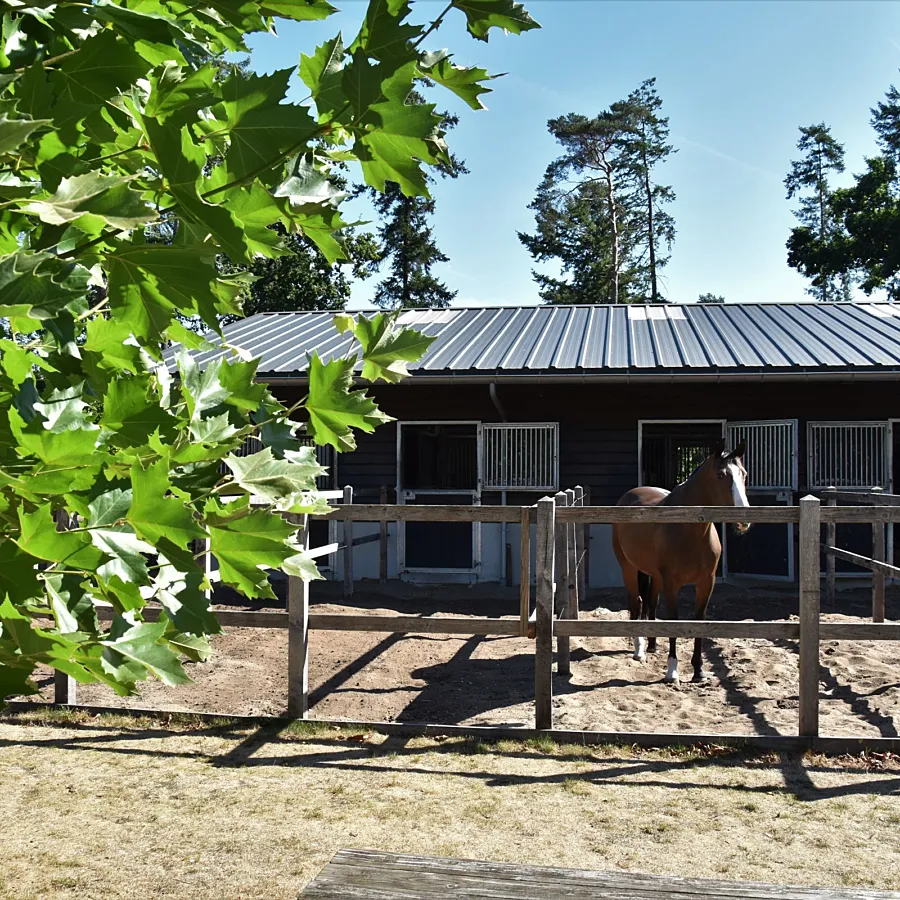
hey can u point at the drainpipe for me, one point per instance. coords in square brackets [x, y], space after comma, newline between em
[492, 389]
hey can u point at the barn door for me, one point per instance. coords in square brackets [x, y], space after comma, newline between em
[766, 550]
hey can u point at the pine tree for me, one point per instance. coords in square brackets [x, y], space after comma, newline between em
[407, 239]
[598, 210]
[710, 298]
[823, 155]
[649, 147]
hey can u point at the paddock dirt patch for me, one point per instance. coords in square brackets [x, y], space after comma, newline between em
[448, 680]
[138, 809]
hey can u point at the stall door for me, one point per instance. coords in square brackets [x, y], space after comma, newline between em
[439, 464]
[849, 456]
[766, 550]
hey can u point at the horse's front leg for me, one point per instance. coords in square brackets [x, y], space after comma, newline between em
[650, 603]
[670, 592]
[704, 592]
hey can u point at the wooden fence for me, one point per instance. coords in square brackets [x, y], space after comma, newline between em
[561, 523]
[877, 563]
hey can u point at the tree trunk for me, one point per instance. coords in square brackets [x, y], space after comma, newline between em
[651, 237]
[405, 262]
[614, 219]
[821, 187]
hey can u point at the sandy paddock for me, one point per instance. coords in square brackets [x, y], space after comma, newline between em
[490, 680]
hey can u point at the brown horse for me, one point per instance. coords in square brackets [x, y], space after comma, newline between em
[667, 557]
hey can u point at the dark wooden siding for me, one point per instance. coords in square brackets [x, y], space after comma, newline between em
[598, 423]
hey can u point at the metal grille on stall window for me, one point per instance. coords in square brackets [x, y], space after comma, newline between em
[848, 455]
[770, 459]
[521, 457]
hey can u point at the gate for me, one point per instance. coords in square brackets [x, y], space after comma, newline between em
[767, 550]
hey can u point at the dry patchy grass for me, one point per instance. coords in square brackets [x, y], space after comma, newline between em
[142, 808]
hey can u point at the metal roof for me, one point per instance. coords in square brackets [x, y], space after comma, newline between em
[606, 342]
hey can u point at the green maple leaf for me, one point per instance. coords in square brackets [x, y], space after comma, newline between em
[18, 572]
[39, 285]
[16, 362]
[298, 10]
[302, 565]
[148, 283]
[103, 65]
[131, 412]
[246, 546]
[256, 209]
[177, 93]
[67, 449]
[163, 521]
[277, 480]
[15, 680]
[466, 83]
[237, 378]
[384, 35]
[63, 410]
[181, 162]
[184, 601]
[214, 430]
[109, 508]
[141, 645]
[40, 538]
[203, 388]
[15, 132]
[306, 184]
[105, 197]
[483, 15]
[334, 408]
[321, 73]
[344, 322]
[111, 347]
[400, 136]
[260, 127]
[126, 552]
[387, 349]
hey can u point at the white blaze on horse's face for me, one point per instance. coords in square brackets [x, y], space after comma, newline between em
[738, 491]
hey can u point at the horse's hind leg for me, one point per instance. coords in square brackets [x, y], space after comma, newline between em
[670, 592]
[650, 595]
[632, 585]
[704, 592]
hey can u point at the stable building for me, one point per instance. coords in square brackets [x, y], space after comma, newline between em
[510, 404]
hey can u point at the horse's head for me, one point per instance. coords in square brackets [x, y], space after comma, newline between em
[728, 478]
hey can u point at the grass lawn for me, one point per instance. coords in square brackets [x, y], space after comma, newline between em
[116, 807]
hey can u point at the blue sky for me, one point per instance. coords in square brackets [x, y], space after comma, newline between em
[736, 79]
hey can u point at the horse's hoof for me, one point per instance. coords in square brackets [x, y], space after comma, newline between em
[700, 678]
[640, 649]
[639, 657]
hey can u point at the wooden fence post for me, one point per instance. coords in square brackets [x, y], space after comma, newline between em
[525, 570]
[383, 545]
[298, 638]
[348, 545]
[810, 525]
[543, 643]
[65, 688]
[830, 541]
[571, 542]
[878, 554]
[561, 585]
[580, 557]
[587, 544]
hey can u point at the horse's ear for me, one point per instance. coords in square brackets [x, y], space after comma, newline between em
[739, 451]
[718, 448]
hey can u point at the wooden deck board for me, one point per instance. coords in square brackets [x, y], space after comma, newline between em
[357, 874]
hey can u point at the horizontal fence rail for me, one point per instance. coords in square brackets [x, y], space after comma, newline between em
[561, 558]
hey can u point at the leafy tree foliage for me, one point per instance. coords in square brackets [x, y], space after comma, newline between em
[599, 211]
[710, 298]
[808, 178]
[114, 123]
[407, 238]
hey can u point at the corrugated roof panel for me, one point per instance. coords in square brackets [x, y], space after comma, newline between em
[777, 337]
[618, 343]
[881, 329]
[739, 349]
[810, 329]
[794, 340]
[691, 347]
[544, 352]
